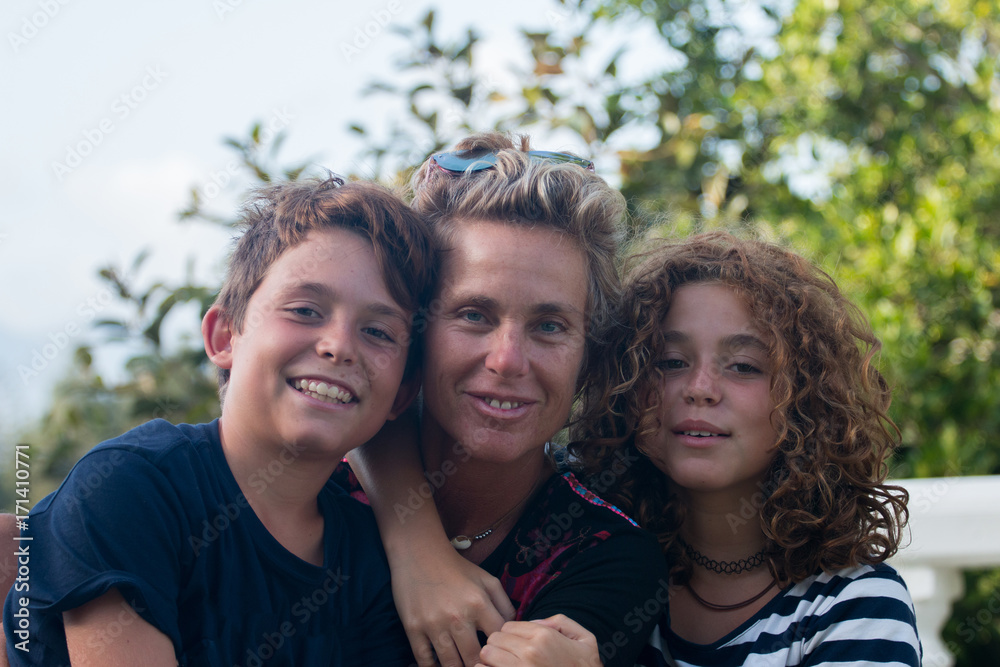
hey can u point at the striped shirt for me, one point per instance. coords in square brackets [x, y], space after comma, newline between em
[856, 616]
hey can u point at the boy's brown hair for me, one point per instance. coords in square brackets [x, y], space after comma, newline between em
[278, 217]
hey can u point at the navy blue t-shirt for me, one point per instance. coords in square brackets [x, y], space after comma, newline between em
[157, 514]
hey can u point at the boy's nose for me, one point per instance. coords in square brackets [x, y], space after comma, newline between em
[337, 343]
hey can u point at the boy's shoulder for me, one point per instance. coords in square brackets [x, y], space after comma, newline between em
[159, 437]
[144, 462]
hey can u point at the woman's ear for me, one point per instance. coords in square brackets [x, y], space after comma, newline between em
[217, 333]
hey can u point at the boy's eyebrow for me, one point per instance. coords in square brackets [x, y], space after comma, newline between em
[324, 291]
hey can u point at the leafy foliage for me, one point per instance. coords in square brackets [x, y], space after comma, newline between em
[863, 133]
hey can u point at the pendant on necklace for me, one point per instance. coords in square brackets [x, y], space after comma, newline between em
[461, 542]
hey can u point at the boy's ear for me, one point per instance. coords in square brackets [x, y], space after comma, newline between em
[408, 390]
[217, 332]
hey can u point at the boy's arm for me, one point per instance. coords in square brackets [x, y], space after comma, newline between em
[8, 570]
[107, 632]
[441, 597]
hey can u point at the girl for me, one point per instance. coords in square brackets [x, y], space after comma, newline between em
[750, 397]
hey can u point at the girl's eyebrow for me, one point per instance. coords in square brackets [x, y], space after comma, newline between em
[734, 341]
[744, 340]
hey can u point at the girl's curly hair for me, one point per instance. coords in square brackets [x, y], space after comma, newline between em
[824, 504]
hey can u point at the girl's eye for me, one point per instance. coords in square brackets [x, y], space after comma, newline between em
[670, 364]
[378, 333]
[744, 368]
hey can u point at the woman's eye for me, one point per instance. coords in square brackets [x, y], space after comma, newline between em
[551, 327]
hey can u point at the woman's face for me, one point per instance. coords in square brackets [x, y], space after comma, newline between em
[505, 342]
[715, 430]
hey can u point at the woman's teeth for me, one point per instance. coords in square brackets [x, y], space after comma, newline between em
[504, 405]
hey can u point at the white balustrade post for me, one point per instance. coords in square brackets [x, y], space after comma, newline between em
[953, 526]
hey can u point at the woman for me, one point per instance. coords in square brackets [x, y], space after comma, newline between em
[524, 301]
[753, 403]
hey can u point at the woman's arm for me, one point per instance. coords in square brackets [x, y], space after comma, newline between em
[441, 597]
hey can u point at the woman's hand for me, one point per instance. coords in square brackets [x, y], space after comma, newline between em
[443, 599]
[554, 641]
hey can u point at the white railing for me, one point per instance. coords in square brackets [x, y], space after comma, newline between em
[954, 525]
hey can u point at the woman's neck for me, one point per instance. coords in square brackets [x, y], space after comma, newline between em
[470, 493]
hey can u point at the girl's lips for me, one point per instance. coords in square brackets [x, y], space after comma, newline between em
[698, 428]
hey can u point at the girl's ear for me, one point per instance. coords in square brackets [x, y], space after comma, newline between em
[217, 333]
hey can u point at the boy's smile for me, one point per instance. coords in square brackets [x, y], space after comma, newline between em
[322, 352]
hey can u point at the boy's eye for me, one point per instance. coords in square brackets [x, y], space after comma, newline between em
[304, 311]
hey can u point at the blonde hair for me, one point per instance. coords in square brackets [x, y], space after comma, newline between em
[521, 190]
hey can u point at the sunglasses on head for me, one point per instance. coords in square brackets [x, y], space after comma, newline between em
[459, 162]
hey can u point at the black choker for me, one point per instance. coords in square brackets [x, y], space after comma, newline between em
[726, 566]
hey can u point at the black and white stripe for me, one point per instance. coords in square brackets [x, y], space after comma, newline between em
[857, 616]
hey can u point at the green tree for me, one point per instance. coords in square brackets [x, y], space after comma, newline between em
[864, 134]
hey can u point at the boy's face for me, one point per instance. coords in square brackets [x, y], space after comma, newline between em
[321, 356]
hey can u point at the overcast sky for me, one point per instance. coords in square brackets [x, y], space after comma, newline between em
[113, 110]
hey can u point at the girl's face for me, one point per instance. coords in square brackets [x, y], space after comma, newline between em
[715, 429]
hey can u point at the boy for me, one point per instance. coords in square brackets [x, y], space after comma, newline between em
[225, 543]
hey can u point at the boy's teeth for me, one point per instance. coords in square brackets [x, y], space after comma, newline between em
[323, 389]
[506, 405]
